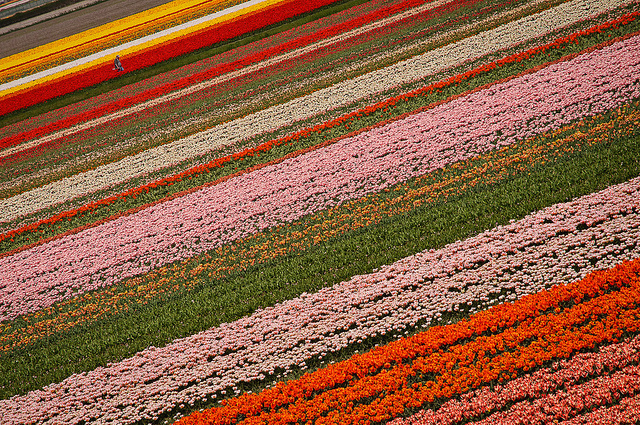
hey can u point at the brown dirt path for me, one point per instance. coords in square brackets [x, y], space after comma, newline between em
[72, 23]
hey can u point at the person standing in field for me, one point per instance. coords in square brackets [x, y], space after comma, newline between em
[117, 65]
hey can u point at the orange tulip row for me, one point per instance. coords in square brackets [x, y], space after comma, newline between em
[493, 345]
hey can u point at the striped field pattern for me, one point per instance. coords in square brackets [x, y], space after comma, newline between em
[325, 212]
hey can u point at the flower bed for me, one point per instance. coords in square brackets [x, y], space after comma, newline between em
[348, 120]
[189, 69]
[342, 220]
[334, 223]
[416, 290]
[377, 385]
[610, 373]
[435, 219]
[30, 170]
[306, 41]
[154, 54]
[105, 36]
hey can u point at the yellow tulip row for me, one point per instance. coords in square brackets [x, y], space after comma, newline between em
[88, 42]
[115, 30]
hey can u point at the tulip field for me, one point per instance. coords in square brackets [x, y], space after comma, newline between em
[338, 212]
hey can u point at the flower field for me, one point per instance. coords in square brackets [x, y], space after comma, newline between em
[325, 212]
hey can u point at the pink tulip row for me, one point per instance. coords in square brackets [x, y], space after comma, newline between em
[627, 411]
[505, 263]
[315, 104]
[565, 403]
[351, 168]
[566, 389]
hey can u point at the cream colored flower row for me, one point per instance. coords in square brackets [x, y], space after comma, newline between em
[316, 103]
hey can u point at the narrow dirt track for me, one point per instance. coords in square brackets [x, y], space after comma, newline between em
[71, 23]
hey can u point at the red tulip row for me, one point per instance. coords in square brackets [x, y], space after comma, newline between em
[493, 345]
